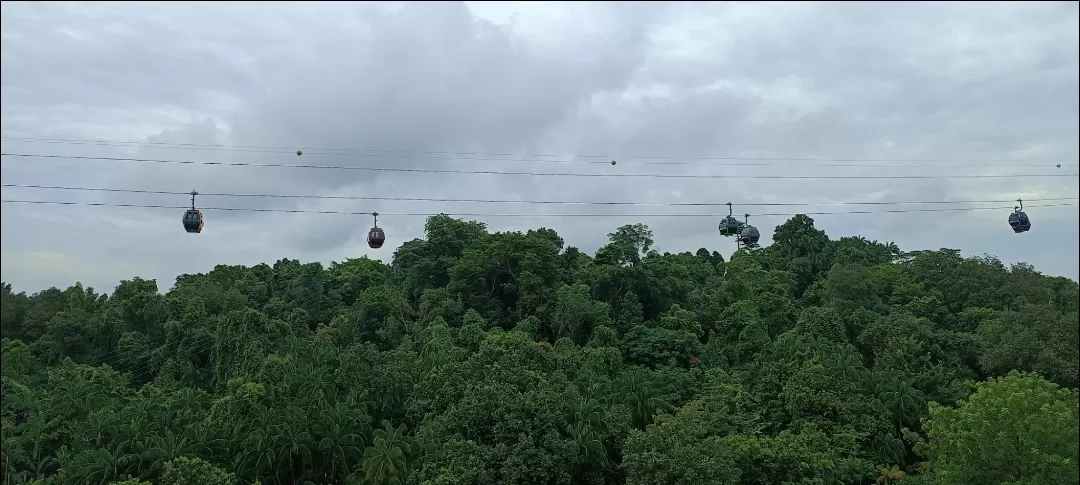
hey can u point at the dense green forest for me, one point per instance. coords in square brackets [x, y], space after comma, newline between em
[478, 358]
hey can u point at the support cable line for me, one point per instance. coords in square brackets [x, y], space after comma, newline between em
[531, 158]
[540, 174]
[528, 202]
[482, 214]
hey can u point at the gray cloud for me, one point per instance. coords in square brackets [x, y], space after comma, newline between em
[848, 80]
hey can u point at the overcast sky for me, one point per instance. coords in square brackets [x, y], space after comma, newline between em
[989, 87]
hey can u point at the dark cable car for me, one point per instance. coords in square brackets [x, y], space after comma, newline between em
[376, 236]
[193, 219]
[729, 226]
[750, 235]
[1019, 220]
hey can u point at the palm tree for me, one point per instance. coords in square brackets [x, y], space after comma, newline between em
[293, 440]
[395, 437]
[386, 461]
[100, 428]
[634, 389]
[340, 434]
[384, 464]
[889, 448]
[252, 443]
[587, 429]
[209, 441]
[254, 454]
[188, 403]
[889, 476]
[904, 401]
[93, 467]
[848, 366]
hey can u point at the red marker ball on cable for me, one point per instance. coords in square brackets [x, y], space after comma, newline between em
[613, 162]
[299, 152]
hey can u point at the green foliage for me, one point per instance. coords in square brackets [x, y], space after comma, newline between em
[194, 471]
[1015, 429]
[479, 358]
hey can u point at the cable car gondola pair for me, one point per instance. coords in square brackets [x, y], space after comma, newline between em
[193, 224]
[1019, 220]
[729, 226]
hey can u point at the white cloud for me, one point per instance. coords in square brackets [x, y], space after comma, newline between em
[831, 80]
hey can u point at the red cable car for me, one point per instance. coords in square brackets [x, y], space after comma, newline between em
[376, 236]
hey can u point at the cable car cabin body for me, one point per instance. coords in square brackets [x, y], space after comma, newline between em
[729, 226]
[193, 221]
[375, 238]
[749, 235]
[1019, 222]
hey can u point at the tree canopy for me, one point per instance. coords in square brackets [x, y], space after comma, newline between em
[480, 358]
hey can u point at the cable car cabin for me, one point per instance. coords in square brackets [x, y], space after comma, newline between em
[1019, 222]
[193, 221]
[729, 226]
[749, 235]
[375, 238]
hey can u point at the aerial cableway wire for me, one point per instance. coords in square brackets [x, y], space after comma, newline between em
[526, 158]
[146, 370]
[529, 202]
[481, 214]
[531, 158]
[536, 174]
